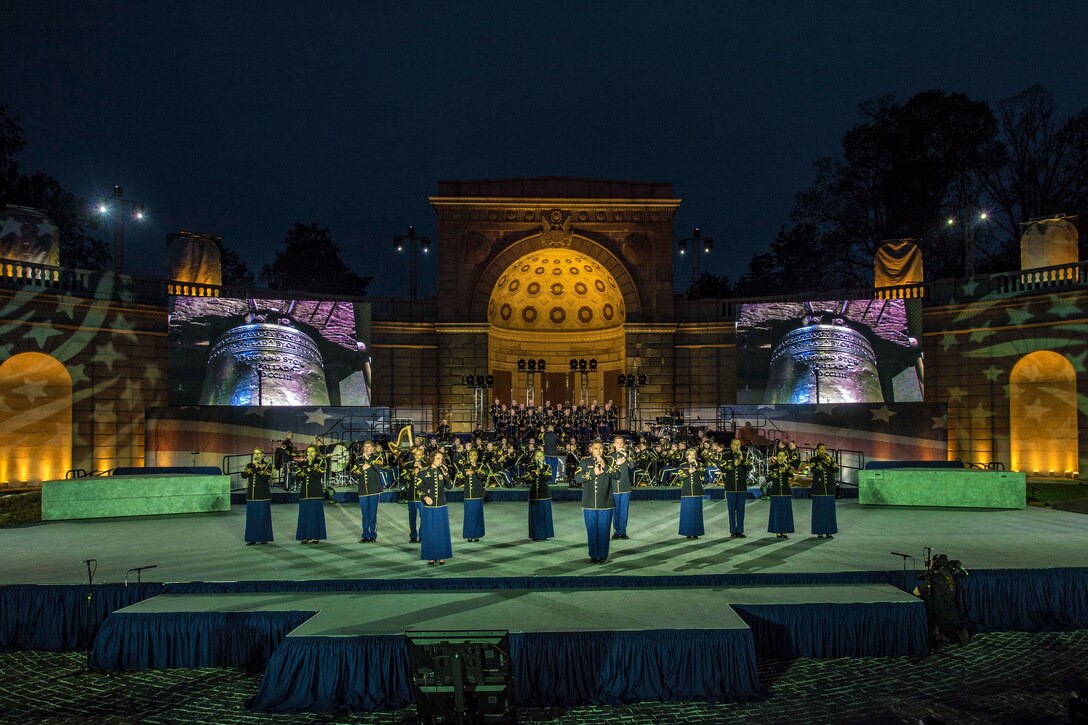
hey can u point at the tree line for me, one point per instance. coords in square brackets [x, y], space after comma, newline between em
[904, 170]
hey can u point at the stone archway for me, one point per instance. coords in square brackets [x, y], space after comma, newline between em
[555, 304]
[1043, 414]
[584, 246]
[35, 418]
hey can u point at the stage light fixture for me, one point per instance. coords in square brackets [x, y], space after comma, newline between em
[573, 364]
[708, 246]
[593, 365]
[117, 192]
[138, 210]
[425, 245]
[641, 380]
[398, 245]
[468, 380]
[532, 366]
[489, 381]
[411, 231]
[582, 364]
[683, 246]
[622, 380]
[540, 365]
[521, 364]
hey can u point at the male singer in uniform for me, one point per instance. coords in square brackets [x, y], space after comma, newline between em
[734, 466]
[621, 490]
[365, 471]
[597, 503]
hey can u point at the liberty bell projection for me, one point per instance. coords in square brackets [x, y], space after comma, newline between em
[265, 361]
[824, 361]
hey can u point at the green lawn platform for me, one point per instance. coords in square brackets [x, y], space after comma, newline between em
[942, 487]
[109, 496]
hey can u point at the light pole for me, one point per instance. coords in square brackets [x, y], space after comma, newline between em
[970, 226]
[414, 243]
[116, 203]
[631, 383]
[696, 244]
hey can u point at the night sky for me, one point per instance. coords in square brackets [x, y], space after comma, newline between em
[241, 118]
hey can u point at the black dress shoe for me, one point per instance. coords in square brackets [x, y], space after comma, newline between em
[741, 536]
[250, 543]
[829, 536]
[615, 536]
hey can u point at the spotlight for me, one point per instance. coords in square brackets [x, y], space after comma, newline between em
[573, 365]
[983, 216]
[630, 381]
[117, 192]
[411, 231]
[424, 245]
[641, 380]
[532, 366]
[593, 364]
[683, 246]
[138, 210]
[468, 380]
[951, 222]
[582, 364]
[540, 365]
[489, 381]
[708, 245]
[696, 233]
[622, 380]
[521, 364]
[102, 209]
[398, 245]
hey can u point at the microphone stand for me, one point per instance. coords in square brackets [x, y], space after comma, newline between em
[139, 572]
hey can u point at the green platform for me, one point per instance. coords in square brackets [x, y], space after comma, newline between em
[109, 496]
[943, 487]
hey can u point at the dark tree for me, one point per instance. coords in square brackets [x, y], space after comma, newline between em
[310, 262]
[712, 285]
[903, 171]
[1041, 168]
[801, 258]
[235, 271]
[79, 247]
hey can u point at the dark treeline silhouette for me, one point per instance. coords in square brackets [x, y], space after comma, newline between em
[907, 168]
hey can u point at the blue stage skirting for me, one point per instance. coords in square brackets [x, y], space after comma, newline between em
[52, 617]
[874, 629]
[549, 669]
[145, 640]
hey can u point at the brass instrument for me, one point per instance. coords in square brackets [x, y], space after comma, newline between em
[396, 446]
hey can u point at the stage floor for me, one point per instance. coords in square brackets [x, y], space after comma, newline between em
[209, 547]
[520, 610]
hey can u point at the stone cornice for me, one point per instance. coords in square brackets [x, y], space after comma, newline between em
[524, 204]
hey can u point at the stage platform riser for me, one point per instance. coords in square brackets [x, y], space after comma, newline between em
[54, 617]
[113, 496]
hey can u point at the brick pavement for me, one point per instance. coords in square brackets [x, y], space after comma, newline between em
[1006, 677]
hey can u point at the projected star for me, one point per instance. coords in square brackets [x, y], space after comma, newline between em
[318, 416]
[948, 340]
[981, 335]
[152, 374]
[1019, 317]
[980, 412]
[106, 354]
[44, 229]
[969, 287]
[940, 421]
[122, 325]
[78, 373]
[1035, 411]
[67, 306]
[956, 393]
[11, 226]
[883, 413]
[992, 373]
[31, 390]
[1078, 361]
[40, 333]
[1064, 309]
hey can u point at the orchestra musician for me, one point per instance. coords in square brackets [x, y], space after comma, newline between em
[365, 470]
[780, 521]
[734, 467]
[432, 483]
[410, 468]
[258, 474]
[473, 477]
[311, 504]
[539, 474]
[691, 476]
[597, 503]
[283, 457]
[824, 487]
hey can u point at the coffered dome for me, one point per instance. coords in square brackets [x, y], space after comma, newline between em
[556, 289]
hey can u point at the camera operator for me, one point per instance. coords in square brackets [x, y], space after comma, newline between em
[939, 589]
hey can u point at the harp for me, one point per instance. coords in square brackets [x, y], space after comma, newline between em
[399, 443]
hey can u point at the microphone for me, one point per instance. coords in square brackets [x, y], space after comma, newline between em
[139, 571]
[88, 561]
[905, 556]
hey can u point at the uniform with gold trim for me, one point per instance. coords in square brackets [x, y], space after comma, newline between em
[365, 470]
[733, 468]
[691, 477]
[539, 475]
[780, 520]
[473, 479]
[597, 503]
[432, 484]
[258, 475]
[311, 500]
[824, 489]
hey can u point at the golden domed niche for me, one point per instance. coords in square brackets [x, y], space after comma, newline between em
[556, 290]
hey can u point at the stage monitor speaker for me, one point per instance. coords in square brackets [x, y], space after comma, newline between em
[462, 676]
